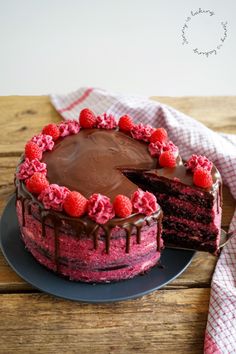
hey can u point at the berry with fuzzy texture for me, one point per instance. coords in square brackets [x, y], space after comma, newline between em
[52, 130]
[75, 204]
[87, 118]
[202, 178]
[125, 123]
[33, 151]
[122, 206]
[37, 183]
[159, 135]
[167, 159]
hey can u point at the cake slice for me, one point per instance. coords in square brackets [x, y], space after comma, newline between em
[192, 214]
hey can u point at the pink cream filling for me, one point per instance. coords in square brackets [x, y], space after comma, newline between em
[183, 204]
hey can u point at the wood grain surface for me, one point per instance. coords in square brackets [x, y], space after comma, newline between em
[170, 320]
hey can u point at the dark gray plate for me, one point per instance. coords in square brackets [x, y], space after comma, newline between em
[173, 264]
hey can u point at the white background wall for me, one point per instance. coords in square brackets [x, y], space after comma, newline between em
[131, 46]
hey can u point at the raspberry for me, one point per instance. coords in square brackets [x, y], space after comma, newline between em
[125, 123]
[52, 130]
[122, 206]
[202, 178]
[33, 151]
[87, 118]
[167, 159]
[160, 135]
[37, 183]
[75, 204]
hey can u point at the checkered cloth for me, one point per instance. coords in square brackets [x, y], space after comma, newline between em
[191, 137]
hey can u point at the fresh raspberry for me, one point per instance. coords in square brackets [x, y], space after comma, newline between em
[52, 130]
[75, 204]
[33, 151]
[122, 206]
[167, 159]
[125, 123]
[160, 135]
[37, 183]
[87, 118]
[202, 178]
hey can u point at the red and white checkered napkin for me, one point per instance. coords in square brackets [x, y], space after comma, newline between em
[191, 137]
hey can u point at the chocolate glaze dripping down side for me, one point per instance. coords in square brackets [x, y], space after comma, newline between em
[85, 225]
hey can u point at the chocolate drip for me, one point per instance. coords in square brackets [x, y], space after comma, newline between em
[29, 208]
[221, 194]
[43, 216]
[128, 231]
[56, 245]
[108, 239]
[23, 210]
[138, 228]
[218, 197]
[95, 238]
[159, 230]
[87, 226]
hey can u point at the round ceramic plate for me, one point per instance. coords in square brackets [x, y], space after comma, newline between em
[173, 263]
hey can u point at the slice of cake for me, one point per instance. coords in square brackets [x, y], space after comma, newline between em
[89, 197]
[192, 214]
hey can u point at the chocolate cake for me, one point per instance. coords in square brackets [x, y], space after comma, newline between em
[90, 195]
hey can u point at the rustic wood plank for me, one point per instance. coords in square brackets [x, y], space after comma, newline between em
[164, 321]
[218, 113]
[20, 119]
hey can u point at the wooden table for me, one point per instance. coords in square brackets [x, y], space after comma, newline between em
[172, 319]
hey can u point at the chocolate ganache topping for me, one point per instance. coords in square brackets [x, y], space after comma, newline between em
[93, 160]
[96, 161]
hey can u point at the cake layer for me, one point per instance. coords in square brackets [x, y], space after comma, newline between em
[180, 224]
[185, 240]
[185, 209]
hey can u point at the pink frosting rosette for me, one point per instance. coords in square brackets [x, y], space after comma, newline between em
[142, 132]
[53, 197]
[69, 127]
[100, 208]
[28, 168]
[45, 142]
[157, 148]
[144, 202]
[106, 121]
[197, 161]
